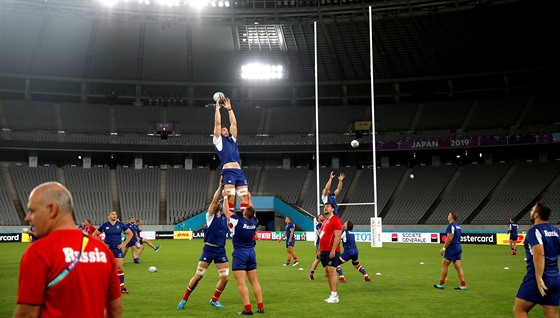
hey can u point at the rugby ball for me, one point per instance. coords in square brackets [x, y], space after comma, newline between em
[152, 269]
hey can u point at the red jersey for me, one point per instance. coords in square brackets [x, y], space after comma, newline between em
[49, 256]
[327, 233]
[89, 229]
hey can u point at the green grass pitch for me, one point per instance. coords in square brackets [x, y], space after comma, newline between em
[403, 288]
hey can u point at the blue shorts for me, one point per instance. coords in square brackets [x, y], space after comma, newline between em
[327, 261]
[244, 260]
[117, 252]
[292, 243]
[234, 176]
[131, 243]
[213, 254]
[513, 237]
[350, 254]
[453, 254]
[530, 292]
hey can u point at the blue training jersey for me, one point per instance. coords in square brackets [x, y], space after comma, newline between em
[512, 228]
[549, 236]
[454, 228]
[287, 231]
[113, 232]
[134, 229]
[216, 229]
[331, 199]
[317, 230]
[229, 151]
[243, 231]
[348, 240]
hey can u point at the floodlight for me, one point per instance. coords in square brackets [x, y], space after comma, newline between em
[108, 3]
[198, 4]
[262, 71]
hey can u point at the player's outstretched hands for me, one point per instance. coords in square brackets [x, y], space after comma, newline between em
[332, 175]
[227, 103]
[341, 176]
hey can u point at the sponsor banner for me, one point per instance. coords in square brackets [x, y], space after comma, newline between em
[409, 237]
[198, 234]
[10, 237]
[467, 142]
[26, 238]
[474, 238]
[503, 239]
[299, 236]
[183, 235]
[264, 235]
[168, 235]
[362, 236]
[150, 235]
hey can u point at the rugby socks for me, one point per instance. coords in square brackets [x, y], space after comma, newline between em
[312, 272]
[231, 207]
[217, 294]
[295, 260]
[361, 269]
[339, 271]
[188, 293]
[288, 261]
[121, 277]
[243, 206]
[441, 282]
[463, 283]
[248, 308]
[260, 306]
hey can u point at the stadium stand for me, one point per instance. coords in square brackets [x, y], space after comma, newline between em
[515, 193]
[466, 191]
[27, 178]
[8, 213]
[91, 190]
[139, 193]
[285, 184]
[187, 191]
[387, 179]
[415, 195]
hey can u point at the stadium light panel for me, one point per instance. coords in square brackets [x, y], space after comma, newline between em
[252, 71]
[108, 3]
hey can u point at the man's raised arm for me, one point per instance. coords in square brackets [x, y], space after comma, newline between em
[232, 119]
[327, 188]
[217, 121]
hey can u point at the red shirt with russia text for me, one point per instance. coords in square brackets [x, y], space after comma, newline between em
[49, 256]
[327, 233]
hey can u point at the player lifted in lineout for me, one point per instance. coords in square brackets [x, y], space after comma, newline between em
[225, 143]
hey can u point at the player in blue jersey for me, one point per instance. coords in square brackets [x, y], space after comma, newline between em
[320, 218]
[350, 252]
[134, 243]
[512, 230]
[452, 252]
[225, 144]
[541, 284]
[290, 241]
[331, 197]
[244, 258]
[143, 240]
[214, 250]
[113, 230]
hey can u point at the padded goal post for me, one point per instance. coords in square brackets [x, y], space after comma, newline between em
[376, 229]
